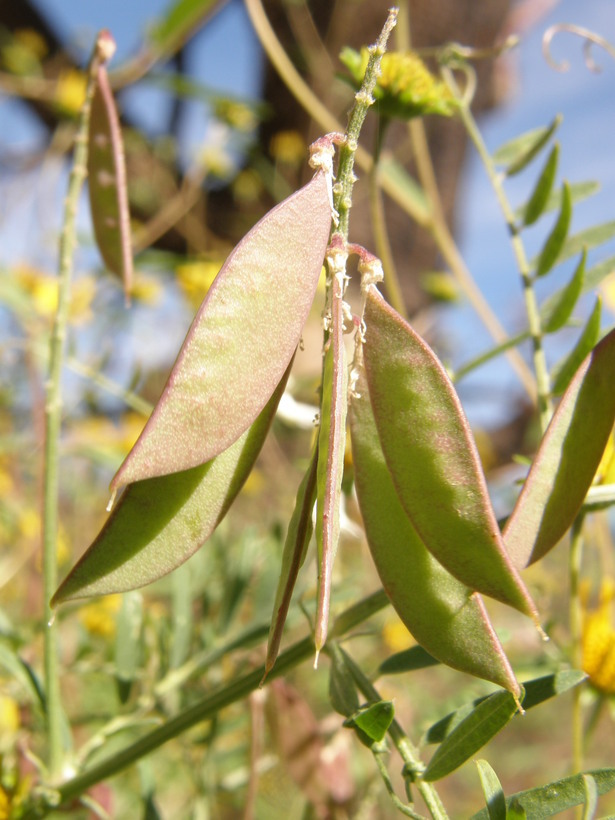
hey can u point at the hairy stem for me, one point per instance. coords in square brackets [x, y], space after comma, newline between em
[53, 418]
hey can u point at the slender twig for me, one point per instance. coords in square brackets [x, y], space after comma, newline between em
[543, 386]
[53, 413]
[576, 625]
[225, 695]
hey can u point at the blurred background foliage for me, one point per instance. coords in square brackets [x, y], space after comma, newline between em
[130, 661]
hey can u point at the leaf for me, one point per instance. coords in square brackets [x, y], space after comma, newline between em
[331, 446]
[536, 692]
[547, 801]
[298, 537]
[440, 612]
[181, 18]
[540, 195]
[241, 340]
[432, 457]
[342, 690]
[552, 248]
[588, 239]
[492, 789]
[107, 183]
[372, 721]
[555, 315]
[517, 153]
[578, 192]
[565, 370]
[407, 661]
[591, 797]
[567, 459]
[160, 522]
[482, 724]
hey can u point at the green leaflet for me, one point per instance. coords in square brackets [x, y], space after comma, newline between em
[128, 643]
[517, 153]
[477, 729]
[542, 190]
[241, 340]
[444, 616]
[567, 459]
[432, 457]
[295, 547]
[556, 313]
[492, 790]
[565, 370]
[160, 522]
[331, 445]
[554, 244]
[107, 183]
[181, 18]
[556, 797]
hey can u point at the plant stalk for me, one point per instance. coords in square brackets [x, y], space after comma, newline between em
[53, 418]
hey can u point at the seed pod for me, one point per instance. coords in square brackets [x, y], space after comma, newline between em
[567, 459]
[160, 522]
[432, 457]
[107, 183]
[444, 616]
[241, 339]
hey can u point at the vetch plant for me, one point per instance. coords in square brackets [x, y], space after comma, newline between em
[423, 496]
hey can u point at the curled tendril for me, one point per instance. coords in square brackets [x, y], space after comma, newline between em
[591, 39]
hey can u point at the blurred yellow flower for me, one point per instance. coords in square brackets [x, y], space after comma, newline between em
[598, 641]
[217, 162]
[607, 289]
[247, 187]
[195, 278]
[4, 805]
[70, 90]
[605, 474]
[236, 114]
[43, 290]
[99, 617]
[288, 147]
[31, 40]
[9, 716]
[396, 636]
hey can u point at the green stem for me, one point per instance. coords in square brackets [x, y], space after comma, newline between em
[531, 304]
[413, 766]
[206, 709]
[576, 624]
[53, 421]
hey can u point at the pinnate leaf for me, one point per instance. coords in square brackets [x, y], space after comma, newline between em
[440, 612]
[567, 459]
[241, 339]
[517, 153]
[160, 522]
[432, 457]
[540, 195]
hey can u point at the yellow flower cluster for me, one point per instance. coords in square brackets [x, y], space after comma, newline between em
[598, 641]
[195, 278]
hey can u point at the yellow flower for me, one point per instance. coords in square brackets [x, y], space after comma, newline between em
[43, 290]
[9, 715]
[195, 278]
[396, 636]
[605, 474]
[70, 90]
[236, 114]
[288, 147]
[598, 642]
[146, 289]
[99, 617]
[608, 291]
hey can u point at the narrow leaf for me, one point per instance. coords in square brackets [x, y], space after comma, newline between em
[433, 460]
[477, 729]
[107, 183]
[241, 341]
[567, 459]
[180, 19]
[492, 789]
[578, 192]
[565, 370]
[536, 692]
[588, 239]
[547, 801]
[331, 446]
[407, 661]
[516, 154]
[342, 688]
[440, 612]
[298, 537]
[591, 797]
[160, 522]
[542, 190]
[552, 248]
[558, 311]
